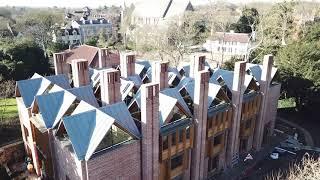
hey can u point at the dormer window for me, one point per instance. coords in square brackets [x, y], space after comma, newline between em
[74, 32]
[66, 33]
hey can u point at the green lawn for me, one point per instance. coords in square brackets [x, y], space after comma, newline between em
[8, 108]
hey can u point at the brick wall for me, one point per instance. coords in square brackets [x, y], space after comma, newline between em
[12, 153]
[123, 162]
[273, 96]
[65, 162]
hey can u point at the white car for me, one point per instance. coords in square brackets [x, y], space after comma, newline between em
[274, 155]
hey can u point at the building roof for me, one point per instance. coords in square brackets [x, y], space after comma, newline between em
[125, 88]
[167, 98]
[212, 92]
[37, 85]
[85, 93]
[86, 130]
[135, 79]
[161, 9]
[256, 70]
[53, 106]
[119, 111]
[177, 7]
[232, 37]
[82, 52]
[227, 77]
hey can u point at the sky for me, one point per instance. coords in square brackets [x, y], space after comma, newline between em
[97, 3]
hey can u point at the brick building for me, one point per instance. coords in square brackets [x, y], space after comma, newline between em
[130, 121]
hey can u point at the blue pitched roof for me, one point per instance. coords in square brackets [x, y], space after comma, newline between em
[53, 106]
[175, 95]
[85, 93]
[28, 89]
[60, 80]
[212, 91]
[256, 70]
[122, 116]
[86, 130]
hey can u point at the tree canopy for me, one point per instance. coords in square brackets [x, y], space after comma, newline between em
[21, 59]
[299, 64]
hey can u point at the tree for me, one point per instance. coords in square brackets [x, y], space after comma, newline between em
[247, 22]
[275, 30]
[38, 26]
[21, 58]
[102, 42]
[54, 47]
[309, 168]
[229, 65]
[299, 64]
[92, 41]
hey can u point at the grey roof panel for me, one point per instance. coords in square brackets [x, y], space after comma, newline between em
[122, 116]
[53, 106]
[86, 130]
[85, 93]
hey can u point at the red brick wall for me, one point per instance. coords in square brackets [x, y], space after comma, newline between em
[123, 162]
[66, 163]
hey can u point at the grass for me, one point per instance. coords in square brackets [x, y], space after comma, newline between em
[8, 108]
[286, 103]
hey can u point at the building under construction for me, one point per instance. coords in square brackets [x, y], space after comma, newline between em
[107, 115]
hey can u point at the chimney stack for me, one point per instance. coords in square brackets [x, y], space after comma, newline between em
[80, 72]
[150, 129]
[201, 88]
[160, 74]
[197, 64]
[127, 64]
[264, 88]
[110, 86]
[60, 64]
[103, 54]
[237, 98]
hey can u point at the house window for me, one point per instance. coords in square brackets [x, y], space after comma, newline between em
[217, 140]
[164, 142]
[176, 161]
[173, 140]
[248, 124]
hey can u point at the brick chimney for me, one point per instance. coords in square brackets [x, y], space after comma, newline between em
[127, 64]
[103, 54]
[160, 74]
[60, 64]
[237, 98]
[80, 72]
[201, 88]
[264, 88]
[197, 64]
[150, 131]
[110, 86]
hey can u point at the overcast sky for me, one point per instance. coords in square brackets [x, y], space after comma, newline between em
[97, 3]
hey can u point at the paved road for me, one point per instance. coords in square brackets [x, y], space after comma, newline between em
[307, 135]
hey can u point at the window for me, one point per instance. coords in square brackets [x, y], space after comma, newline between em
[173, 140]
[188, 132]
[176, 161]
[248, 124]
[217, 140]
[164, 142]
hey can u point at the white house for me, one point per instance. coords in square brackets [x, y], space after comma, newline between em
[91, 28]
[67, 35]
[227, 44]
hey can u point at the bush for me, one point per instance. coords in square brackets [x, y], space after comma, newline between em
[309, 169]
